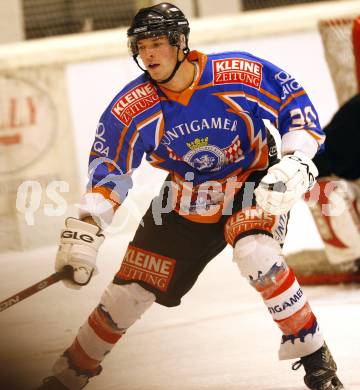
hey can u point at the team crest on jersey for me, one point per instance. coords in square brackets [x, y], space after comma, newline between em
[237, 70]
[134, 102]
[204, 157]
[209, 158]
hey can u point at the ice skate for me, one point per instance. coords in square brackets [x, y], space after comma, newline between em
[320, 369]
[51, 383]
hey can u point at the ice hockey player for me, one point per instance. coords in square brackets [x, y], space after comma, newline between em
[199, 117]
[337, 211]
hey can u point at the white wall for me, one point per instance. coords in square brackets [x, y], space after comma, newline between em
[212, 8]
[11, 21]
[204, 8]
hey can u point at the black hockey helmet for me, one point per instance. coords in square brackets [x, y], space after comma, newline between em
[161, 19]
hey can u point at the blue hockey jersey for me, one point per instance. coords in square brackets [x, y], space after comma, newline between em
[211, 131]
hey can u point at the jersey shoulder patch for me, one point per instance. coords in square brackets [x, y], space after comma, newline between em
[134, 101]
[237, 68]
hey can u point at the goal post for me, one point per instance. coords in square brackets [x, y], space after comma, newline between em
[356, 48]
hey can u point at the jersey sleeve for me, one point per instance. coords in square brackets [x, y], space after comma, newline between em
[282, 100]
[116, 151]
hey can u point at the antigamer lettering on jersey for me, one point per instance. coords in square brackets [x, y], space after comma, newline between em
[148, 267]
[237, 70]
[213, 123]
[134, 102]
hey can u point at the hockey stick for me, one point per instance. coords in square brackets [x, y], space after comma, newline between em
[53, 278]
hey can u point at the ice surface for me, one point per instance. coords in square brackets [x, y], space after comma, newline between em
[221, 337]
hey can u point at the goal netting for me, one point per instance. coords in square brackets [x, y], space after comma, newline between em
[44, 18]
[341, 42]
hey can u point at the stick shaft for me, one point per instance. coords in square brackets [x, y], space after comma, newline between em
[16, 298]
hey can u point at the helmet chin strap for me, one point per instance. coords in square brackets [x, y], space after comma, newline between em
[176, 67]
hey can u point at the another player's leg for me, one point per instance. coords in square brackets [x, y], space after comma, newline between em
[335, 205]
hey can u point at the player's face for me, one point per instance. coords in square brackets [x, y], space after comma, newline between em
[158, 56]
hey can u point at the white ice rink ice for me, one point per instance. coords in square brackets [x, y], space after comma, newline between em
[221, 337]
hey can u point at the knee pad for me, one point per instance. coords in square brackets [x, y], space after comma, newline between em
[125, 304]
[257, 255]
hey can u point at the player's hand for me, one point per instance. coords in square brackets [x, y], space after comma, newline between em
[285, 183]
[79, 244]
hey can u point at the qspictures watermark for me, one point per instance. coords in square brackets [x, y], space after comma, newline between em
[32, 197]
[30, 194]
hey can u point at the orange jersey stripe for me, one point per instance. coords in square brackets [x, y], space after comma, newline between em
[203, 86]
[148, 120]
[229, 193]
[319, 138]
[226, 97]
[264, 105]
[108, 194]
[292, 97]
[159, 126]
[270, 95]
[120, 145]
[130, 153]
